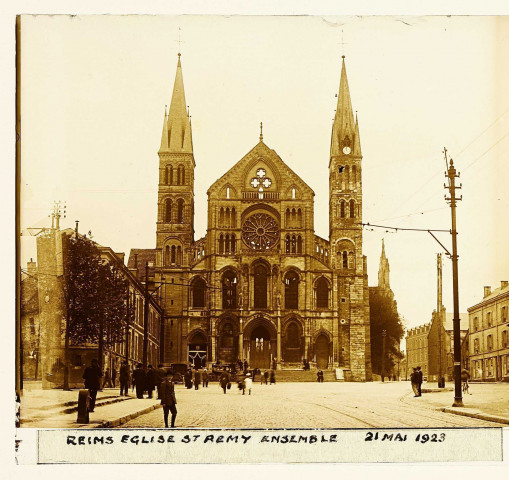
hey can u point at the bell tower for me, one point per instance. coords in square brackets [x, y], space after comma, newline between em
[349, 270]
[175, 218]
[345, 184]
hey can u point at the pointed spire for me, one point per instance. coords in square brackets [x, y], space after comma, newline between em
[177, 125]
[383, 270]
[344, 125]
[164, 135]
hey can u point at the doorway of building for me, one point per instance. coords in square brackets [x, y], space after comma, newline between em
[322, 351]
[260, 348]
[197, 351]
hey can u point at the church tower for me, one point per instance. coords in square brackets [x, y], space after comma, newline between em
[383, 270]
[345, 233]
[175, 217]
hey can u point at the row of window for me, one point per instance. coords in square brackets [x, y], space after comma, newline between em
[293, 244]
[227, 217]
[293, 218]
[489, 342]
[229, 283]
[227, 243]
[490, 321]
[343, 206]
[175, 176]
[347, 176]
[174, 214]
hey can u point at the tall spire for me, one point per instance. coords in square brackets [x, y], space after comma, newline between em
[383, 270]
[177, 125]
[343, 130]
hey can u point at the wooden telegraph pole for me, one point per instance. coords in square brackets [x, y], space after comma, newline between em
[452, 175]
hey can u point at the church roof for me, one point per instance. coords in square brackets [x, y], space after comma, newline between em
[143, 255]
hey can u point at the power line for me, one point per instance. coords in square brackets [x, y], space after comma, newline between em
[405, 229]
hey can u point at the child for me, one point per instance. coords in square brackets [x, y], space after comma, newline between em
[248, 384]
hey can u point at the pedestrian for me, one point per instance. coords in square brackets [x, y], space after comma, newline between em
[197, 379]
[224, 381]
[124, 378]
[150, 381]
[414, 382]
[246, 365]
[107, 379]
[319, 376]
[168, 398]
[113, 376]
[265, 377]
[205, 378]
[465, 376]
[419, 380]
[92, 376]
[272, 377]
[139, 378]
[188, 378]
[159, 374]
[248, 384]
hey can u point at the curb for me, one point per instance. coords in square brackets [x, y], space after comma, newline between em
[98, 404]
[481, 416]
[126, 418]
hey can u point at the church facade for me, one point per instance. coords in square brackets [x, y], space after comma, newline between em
[261, 286]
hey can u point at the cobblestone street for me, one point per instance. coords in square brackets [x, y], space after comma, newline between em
[313, 405]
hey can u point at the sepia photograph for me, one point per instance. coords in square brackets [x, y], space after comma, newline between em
[264, 222]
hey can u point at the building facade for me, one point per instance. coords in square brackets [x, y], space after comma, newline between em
[488, 336]
[261, 286]
[43, 325]
[417, 349]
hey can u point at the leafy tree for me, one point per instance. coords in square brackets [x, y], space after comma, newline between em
[95, 293]
[384, 316]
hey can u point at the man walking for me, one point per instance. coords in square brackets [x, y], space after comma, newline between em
[224, 381]
[264, 377]
[107, 379]
[168, 399]
[272, 377]
[139, 380]
[124, 378]
[419, 380]
[150, 381]
[197, 379]
[205, 378]
[92, 376]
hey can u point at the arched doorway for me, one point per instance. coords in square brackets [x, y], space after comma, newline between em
[322, 351]
[260, 348]
[292, 346]
[197, 350]
[227, 342]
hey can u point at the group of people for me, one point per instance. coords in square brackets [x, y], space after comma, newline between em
[144, 381]
[199, 377]
[416, 380]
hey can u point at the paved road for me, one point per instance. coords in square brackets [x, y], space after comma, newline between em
[307, 405]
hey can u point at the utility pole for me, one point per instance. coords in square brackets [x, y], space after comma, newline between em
[384, 333]
[452, 175]
[145, 320]
[128, 325]
[439, 318]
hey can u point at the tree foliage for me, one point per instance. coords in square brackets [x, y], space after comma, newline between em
[95, 292]
[384, 316]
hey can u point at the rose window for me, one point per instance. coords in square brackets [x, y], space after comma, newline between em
[260, 231]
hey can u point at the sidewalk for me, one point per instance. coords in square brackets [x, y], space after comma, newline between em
[486, 401]
[58, 408]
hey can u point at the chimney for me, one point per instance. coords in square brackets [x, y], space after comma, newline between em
[504, 284]
[32, 267]
[487, 291]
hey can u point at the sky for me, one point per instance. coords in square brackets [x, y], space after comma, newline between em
[94, 89]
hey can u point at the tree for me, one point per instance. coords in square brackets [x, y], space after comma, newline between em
[383, 315]
[95, 295]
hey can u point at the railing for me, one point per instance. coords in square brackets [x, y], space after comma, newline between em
[260, 195]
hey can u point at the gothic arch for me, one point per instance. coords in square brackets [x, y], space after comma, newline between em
[195, 334]
[198, 292]
[321, 331]
[270, 165]
[257, 321]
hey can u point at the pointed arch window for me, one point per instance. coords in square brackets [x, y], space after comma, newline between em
[342, 208]
[198, 287]
[299, 244]
[352, 208]
[234, 246]
[227, 192]
[229, 290]
[167, 210]
[293, 193]
[260, 286]
[227, 244]
[221, 244]
[322, 293]
[291, 290]
[180, 211]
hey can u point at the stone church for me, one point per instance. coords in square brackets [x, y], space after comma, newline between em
[261, 286]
